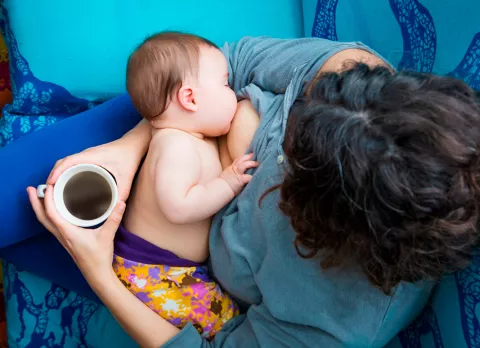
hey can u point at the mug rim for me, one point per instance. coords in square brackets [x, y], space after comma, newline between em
[63, 179]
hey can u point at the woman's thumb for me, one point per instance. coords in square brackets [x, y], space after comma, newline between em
[110, 226]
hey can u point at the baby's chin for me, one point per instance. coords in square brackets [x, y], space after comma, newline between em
[227, 129]
[219, 132]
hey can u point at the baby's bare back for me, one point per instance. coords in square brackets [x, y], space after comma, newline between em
[145, 219]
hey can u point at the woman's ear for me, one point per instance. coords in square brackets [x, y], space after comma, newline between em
[187, 98]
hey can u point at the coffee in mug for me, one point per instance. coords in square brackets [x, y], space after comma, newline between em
[84, 195]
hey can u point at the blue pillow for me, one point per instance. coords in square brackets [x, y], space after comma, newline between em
[442, 37]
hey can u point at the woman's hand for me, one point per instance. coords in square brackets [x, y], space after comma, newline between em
[121, 157]
[91, 249]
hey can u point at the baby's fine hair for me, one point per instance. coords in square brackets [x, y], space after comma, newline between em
[157, 68]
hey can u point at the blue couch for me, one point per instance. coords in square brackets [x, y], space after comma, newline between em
[69, 57]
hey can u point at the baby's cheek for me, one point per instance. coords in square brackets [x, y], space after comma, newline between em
[232, 100]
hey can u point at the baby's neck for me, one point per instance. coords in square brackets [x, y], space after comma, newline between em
[193, 134]
[176, 123]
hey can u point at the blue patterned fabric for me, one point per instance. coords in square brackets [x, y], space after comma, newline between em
[42, 314]
[428, 35]
[36, 103]
[451, 319]
[442, 37]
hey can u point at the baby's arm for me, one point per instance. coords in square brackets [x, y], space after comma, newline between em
[180, 196]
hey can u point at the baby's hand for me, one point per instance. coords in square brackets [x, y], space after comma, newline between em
[235, 175]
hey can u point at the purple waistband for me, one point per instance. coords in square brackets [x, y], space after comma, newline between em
[134, 248]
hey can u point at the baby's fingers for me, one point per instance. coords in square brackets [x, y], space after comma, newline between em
[244, 158]
[243, 166]
[246, 178]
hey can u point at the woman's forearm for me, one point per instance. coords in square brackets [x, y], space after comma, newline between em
[145, 326]
[138, 138]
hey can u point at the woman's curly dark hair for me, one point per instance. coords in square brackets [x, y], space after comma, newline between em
[383, 171]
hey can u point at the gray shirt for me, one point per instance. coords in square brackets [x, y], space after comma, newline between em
[289, 301]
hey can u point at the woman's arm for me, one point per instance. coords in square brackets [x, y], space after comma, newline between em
[92, 251]
[271, 63]
[258, 328]
[121, 157]
[29, 159]
[145, 326]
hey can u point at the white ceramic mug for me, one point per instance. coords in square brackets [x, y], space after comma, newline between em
[84, 195]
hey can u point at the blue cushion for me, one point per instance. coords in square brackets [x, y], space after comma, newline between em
[67, 56]
[42, 314]
[429, 35]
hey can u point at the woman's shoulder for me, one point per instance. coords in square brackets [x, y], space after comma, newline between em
[347, 58]
[271, 63]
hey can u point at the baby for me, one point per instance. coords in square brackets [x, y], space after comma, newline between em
[179, 83]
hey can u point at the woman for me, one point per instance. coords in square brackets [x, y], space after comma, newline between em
[366, 193]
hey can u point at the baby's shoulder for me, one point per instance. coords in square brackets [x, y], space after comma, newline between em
[171, 140]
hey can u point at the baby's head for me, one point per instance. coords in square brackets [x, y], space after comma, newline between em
[181, 80]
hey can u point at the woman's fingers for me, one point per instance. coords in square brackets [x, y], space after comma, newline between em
[110, 226]
[39, 209]
[62, 165]
[61, 225]
[123, 187]
[56, 171]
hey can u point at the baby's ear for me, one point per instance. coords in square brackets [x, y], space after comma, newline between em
[186, 98]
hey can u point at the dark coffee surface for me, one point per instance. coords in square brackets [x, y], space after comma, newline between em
[87, 195]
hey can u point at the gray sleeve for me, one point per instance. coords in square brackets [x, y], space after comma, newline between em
[271, 63]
